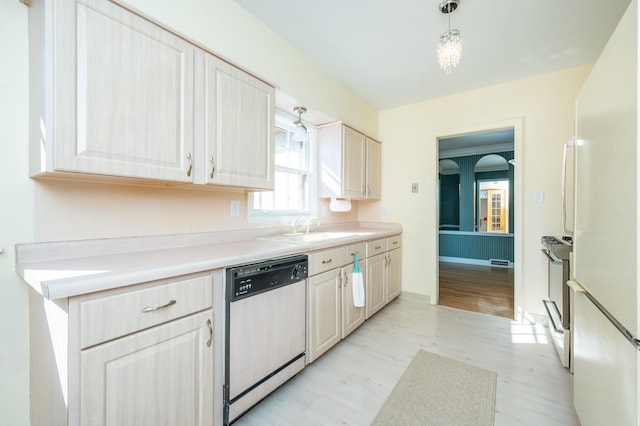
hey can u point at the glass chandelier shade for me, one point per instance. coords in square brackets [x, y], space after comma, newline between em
[449, 50]
[300, 134]
[450, 43]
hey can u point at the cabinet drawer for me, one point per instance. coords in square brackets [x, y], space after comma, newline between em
[324, 260]
[394, 242]
[346, 252]
[376, 247]
[116, 315]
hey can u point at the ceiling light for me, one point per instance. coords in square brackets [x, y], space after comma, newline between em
[300, 133]
[450, 44]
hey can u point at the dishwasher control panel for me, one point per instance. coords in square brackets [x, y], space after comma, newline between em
[251, 279]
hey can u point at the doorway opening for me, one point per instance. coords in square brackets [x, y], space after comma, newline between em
[478, 220]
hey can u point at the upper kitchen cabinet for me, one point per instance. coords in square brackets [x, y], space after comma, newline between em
[349, 163]
[239, 127]
[112, 93]
[373, 169]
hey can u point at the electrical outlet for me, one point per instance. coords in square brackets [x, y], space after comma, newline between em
[235, 208]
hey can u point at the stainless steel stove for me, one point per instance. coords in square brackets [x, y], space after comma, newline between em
[558, 252]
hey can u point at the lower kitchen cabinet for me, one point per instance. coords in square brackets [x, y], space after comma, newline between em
[384, 269]
[145, 354]
[331, 315]
[375, 292]
[393, 274]
[163, 375]
[323, 313]
[352, 316]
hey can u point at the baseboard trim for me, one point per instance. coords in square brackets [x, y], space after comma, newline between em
[468, 261]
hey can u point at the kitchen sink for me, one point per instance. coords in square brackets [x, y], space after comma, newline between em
[311, 237]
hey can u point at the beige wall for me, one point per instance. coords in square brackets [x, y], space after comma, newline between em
[544, 104]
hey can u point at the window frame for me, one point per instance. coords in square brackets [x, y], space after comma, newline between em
[285, 121]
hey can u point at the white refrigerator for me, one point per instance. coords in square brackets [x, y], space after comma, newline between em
[605, 311]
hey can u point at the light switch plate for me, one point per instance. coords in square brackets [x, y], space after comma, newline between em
[414, 187]
[538, 197]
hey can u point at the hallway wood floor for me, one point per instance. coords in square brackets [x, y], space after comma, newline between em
[350, 383]
[484, 289]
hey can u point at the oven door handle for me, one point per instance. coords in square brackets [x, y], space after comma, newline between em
[551, 259]
[546, 306]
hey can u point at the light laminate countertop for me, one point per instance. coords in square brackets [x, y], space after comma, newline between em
[59, 270]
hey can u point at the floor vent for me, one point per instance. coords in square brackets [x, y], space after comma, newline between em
[498, 262]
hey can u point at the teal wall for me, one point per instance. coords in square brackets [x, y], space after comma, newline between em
[467, 243]
[449, 202]
[467, 178]
[476, 245]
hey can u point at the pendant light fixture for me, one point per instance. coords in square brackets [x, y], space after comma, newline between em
[450, 43]
[300, 134]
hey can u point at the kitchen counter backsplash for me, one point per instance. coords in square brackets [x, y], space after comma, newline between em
[70, 268]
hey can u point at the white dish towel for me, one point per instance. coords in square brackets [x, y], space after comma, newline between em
[357, 282]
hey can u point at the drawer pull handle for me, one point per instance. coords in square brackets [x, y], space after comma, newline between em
[324, 262]
[155, 308]
[377, 247]
[395, 243]
[210, 333]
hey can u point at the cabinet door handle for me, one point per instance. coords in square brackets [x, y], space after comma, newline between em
[324, 262]
[147, 309]
[346, 279]
[209, 325]
[213, 167]
[190, 164]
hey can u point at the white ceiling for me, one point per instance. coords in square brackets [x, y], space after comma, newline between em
[385, 50]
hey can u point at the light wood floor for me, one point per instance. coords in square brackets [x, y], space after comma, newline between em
[477, 288]
[349, 384]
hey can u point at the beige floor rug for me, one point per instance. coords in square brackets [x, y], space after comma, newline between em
[435, 390]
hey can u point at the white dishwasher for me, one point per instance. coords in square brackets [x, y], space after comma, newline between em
[265, 330]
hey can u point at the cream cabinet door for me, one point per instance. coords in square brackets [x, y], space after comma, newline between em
[373, 169]
[323, 313]
[239, 115]
[352, 316]
[160, 376]
[393, 274]
[375, 294]
[353, 163]
[122, 95]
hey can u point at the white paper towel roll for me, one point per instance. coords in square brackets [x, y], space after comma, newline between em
[341, 205]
